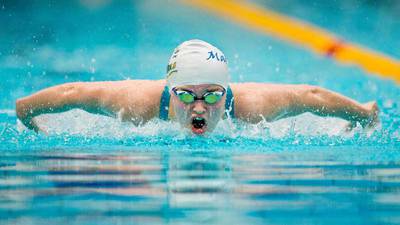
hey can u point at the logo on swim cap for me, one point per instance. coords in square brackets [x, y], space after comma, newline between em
[197, 62]
[213, 55]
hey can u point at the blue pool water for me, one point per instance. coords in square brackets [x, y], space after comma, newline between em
[95, 170]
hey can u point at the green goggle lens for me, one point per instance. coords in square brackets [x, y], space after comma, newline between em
[210, 97]
[186, 98]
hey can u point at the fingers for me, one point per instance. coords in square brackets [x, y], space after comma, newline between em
[373, 118]
[350, 126]
[368, 119]
[31, 124]
[36, 127]
[372, 107]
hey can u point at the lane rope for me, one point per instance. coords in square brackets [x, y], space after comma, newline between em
[295, 31]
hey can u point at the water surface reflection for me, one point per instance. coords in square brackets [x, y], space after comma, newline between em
[195, 187]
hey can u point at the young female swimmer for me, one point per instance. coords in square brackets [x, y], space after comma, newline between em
[197, 94]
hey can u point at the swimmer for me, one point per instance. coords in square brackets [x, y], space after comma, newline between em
[196, 93]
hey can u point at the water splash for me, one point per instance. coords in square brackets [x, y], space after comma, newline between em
[78, 128]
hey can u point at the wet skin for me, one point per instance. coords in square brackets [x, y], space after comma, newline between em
[138, 101]
[207, 114]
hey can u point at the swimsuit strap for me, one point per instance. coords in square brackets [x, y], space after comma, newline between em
[165, 97]
[229, 104]
[164, 104]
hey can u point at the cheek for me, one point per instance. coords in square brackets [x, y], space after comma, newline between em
[216, 109]
[182, 107]
[181, 110]
[178, 105]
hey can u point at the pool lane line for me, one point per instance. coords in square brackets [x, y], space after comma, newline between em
[303, 34]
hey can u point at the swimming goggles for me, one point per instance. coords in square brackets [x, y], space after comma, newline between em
[189, 97]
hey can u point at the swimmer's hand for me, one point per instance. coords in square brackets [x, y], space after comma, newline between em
[371, 121]
[32, 125]
[24, 114]
[29, 123]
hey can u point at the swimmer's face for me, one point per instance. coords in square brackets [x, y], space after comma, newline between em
[198, 116]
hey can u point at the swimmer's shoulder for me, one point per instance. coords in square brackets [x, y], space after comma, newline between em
[252, 88]
[149, 86]
[129, 88]
[252, 99]
[148, 91]
[140, 99]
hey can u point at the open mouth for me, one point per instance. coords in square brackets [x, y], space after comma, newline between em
[198, 125]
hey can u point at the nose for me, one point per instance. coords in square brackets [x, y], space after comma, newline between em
[199, 107]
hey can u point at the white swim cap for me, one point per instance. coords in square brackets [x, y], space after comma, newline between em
[197, 62]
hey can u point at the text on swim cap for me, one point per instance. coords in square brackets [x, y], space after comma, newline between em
[214, 55]
[171, 68]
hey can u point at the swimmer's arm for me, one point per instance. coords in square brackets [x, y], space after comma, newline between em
[322, 102]
[136, 101]
[256, 102]
[61, 98]
[113, 99]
